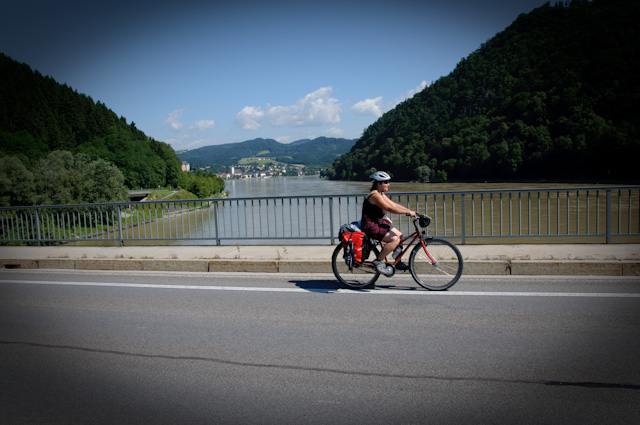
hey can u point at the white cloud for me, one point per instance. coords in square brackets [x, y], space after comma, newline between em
[187, 141]
[370, 107]
[315, 109]
[410, 93]
[250, 117]
[174, 119]
[202, 125]
[334, 132]
[284, 139]
[375, 107]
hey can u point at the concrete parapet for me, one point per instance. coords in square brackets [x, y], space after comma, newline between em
[18, 263]
[580, 260]
[175, 265]
[567, 267]
[108, 264]
[243, 266]
[630, 268]
[471, 267]
[304, 266]
[488, 267]
[57, 263]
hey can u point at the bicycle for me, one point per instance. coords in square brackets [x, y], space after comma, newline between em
[435, 264]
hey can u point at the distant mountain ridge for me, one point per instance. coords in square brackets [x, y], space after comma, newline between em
[318, 152]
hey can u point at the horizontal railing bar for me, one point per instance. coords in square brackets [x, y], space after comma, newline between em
[395, 194]
[473, 214]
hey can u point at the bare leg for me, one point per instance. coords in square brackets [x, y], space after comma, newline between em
[392, 239]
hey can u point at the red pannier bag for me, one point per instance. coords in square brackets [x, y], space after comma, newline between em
[357, 239]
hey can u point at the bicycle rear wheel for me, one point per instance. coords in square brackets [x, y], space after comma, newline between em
[438, 270]
[358, 276]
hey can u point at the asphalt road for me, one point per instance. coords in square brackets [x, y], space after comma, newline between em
[204, 348]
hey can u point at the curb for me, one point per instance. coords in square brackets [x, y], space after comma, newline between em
[471, 267]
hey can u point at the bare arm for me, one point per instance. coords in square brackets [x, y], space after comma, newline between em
[382, 201]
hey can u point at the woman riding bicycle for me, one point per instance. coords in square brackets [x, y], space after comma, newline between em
[376, 226]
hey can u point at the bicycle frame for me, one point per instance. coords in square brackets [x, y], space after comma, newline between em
[417, 234]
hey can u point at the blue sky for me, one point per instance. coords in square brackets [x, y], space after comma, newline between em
[199, 73]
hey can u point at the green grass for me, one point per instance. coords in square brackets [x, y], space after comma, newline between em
[169, 195]
[258, 161]
[180, 195]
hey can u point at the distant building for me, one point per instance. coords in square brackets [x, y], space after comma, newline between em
[185, 166]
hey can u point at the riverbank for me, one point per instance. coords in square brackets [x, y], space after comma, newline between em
[561, 259]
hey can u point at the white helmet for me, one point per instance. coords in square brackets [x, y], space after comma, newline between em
[380, 176]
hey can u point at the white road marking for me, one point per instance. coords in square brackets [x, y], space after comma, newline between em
[336, 291]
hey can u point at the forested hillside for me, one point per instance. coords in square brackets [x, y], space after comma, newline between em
[317, 152]
[555, 95]
[39, 116]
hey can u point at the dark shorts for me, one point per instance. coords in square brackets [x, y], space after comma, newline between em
[376, 230]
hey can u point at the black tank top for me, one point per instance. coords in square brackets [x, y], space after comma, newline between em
[371, 212]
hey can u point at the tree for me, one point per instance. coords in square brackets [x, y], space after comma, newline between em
[104, 183]
[423, 173]
[16, 183]
[201, 183]
[64, 178]
[54, 185]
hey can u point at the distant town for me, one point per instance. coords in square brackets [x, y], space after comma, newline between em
[257, 171]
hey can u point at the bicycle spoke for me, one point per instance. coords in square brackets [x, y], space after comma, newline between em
[359, 276]
[449, 270]
[440, 275]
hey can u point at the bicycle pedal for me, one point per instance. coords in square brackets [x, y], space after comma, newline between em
[389, 271]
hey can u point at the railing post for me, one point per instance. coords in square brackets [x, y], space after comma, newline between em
[38, 228]
[119, 216]
[464, 220]
[331, 227]
[215, 220]
[608, 215]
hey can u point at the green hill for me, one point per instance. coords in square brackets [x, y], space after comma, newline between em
[554, 95]
[318, 152]
[39, 116]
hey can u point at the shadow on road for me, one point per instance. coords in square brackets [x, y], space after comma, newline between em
[331, 286]
[399, 287]
[318, 285]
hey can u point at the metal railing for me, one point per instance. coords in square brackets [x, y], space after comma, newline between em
[587, 214]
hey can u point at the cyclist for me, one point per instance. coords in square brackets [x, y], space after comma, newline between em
[375, 225]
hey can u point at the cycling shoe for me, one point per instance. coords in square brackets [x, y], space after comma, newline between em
[383, 268]
[402, 266]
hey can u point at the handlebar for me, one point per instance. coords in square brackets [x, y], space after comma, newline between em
[423, 220]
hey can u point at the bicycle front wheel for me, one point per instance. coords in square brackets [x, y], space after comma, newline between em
[439, 267]
[356, 276]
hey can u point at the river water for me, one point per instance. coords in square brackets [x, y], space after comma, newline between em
[313, 185]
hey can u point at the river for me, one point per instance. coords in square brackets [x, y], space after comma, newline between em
[313, 185]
